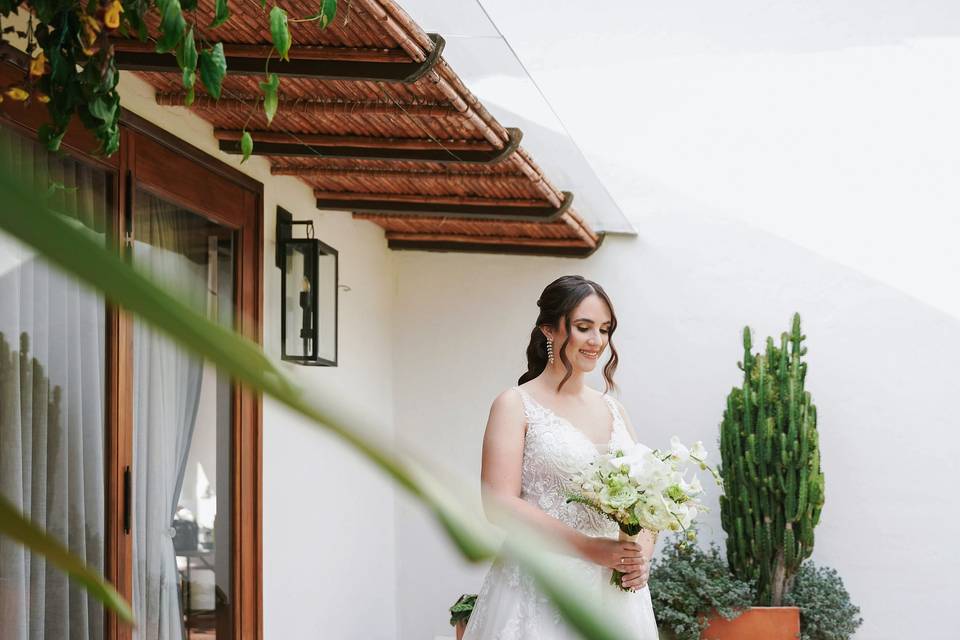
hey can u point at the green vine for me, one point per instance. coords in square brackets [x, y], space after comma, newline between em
[73, 71]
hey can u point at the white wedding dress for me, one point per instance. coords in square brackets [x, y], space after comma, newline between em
[509, 606]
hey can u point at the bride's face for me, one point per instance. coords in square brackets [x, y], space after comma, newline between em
[589, 334]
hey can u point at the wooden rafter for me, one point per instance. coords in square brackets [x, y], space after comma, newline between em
[447, 206]
[273, 143]
[322, 63]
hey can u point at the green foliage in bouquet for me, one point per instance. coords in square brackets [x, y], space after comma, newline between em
[826, 612]
[687, 584]
[462, 608]
[771, 468]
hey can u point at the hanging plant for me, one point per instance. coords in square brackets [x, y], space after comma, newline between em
[73, 71]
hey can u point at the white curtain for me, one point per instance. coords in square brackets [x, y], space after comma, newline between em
[166, 397]
[51, 407]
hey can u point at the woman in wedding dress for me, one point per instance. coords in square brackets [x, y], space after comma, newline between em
[538, 434]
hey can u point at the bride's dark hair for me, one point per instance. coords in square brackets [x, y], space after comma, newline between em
[557, 301]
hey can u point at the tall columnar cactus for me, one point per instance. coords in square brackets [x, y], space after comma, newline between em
[770, 463]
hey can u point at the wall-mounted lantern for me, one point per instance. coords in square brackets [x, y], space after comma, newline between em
[308, 322]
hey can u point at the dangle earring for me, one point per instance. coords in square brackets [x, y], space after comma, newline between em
[550, 350]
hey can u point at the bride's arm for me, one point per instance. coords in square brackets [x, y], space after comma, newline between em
[500, 474]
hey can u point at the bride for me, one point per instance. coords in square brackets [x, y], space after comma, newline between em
[538, 434]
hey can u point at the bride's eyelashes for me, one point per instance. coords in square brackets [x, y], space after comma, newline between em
[585, 329]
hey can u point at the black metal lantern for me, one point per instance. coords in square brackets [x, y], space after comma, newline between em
[308, 290]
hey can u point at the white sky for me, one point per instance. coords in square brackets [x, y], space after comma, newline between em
[834, 125]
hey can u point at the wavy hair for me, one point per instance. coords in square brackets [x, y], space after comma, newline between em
[556, 303]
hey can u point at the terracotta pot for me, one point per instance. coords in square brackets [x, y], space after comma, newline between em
[461, 628]
[756, 623]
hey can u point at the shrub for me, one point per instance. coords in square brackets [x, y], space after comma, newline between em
[687, 583]
[826, 612]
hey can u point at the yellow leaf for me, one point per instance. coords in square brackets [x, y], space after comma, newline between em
[41, 97]
[18, 94]
[38, 65]
[90, 30]
[111, 16]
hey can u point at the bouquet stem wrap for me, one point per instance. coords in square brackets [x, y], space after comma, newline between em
[617, 576]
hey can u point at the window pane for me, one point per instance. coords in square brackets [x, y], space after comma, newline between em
[182, 429]
[52, 399]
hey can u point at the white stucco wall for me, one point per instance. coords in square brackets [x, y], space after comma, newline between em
[879, 371]
[774, 157]
[314, 535]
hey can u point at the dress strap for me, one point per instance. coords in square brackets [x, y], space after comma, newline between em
[529, 406]
[614, 409]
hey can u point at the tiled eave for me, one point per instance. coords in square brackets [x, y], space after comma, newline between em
[419, 156]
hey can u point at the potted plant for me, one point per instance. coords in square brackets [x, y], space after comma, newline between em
[460, 613]
[774, 488]
[693, 589]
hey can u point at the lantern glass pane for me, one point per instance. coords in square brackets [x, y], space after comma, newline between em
[299, 301]
[327, 315]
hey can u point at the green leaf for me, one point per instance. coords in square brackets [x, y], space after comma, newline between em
[270, 96]
[51, 136]
[189, 5]
[327, 12]
[17, 527]
[102, 108]
[187, 58]
[70, 246]
[191, 92]
[221, 15]
[213, 67]
[246, 146]
[280, 31]
[172, 25]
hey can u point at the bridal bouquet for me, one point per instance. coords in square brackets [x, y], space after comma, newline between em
[644, 489]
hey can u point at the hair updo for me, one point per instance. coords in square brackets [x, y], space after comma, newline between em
[557, 301]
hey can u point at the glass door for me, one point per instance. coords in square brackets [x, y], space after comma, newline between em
[182, 424]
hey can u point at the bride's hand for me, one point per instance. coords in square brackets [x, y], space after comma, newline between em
[636, 579]
[622, 555]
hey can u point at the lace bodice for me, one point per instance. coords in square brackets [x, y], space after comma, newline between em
[554, 450]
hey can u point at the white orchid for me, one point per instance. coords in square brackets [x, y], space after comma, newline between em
[693, 487]
[679, 451]
[698, 451]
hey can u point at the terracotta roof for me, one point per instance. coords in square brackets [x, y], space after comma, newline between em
[423, 158]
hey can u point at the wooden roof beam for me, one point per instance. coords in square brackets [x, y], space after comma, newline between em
[280, 143]
[322, 63]
[491, 244]
[444, 206]
[452, 237]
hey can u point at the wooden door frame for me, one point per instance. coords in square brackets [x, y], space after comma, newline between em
[247, 420]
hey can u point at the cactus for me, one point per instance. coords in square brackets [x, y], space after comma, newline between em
[770, 463]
